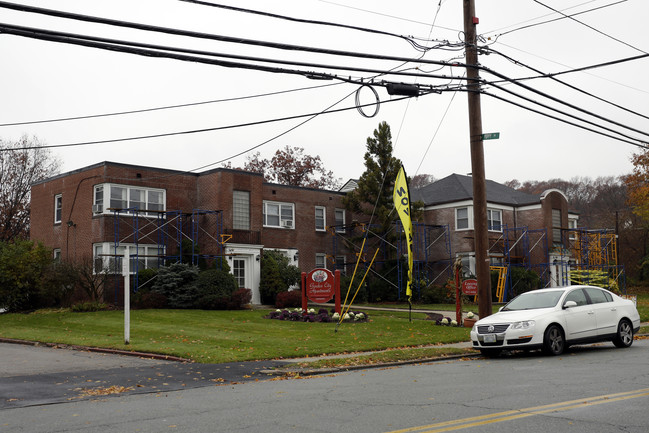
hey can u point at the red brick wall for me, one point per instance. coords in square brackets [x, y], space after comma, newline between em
[304, 236]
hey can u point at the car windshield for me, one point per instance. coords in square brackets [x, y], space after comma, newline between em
[533, 300]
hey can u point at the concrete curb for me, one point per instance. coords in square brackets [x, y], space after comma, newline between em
[319, 371]
[157, 356]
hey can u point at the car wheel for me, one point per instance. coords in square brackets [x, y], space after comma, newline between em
[490, 353]
[553, 341]
[624, 337]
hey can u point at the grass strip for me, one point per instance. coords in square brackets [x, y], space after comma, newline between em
[226, 336]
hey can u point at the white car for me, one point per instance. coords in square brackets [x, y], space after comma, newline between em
[553, 319]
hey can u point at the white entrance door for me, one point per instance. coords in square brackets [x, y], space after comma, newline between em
[239, 266]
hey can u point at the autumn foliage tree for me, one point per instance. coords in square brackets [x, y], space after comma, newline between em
[291, 166]
[19, 168]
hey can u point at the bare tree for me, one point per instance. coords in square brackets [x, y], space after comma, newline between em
[22, 163]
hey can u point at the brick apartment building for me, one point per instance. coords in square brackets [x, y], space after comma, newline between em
[89, 213]
[531, 230]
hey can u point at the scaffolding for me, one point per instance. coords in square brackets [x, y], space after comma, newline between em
[432, 256]
[583, 252]
[164, 231]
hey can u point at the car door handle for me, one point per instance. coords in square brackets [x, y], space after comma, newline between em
[591, 312]
[613, 309]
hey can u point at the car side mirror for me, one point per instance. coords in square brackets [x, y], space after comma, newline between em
[569, 304]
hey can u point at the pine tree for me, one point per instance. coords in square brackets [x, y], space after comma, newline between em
[373, 196]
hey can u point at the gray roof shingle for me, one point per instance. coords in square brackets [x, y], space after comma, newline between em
[456, 188]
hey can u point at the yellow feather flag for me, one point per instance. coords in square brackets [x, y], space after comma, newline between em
[401, 198]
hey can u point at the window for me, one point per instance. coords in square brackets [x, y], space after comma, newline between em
[598, 296]
[321, 261]
[137, 199]
[320, 218]
[58, 208]
[239, 271]
[241, 210]
[340, 220]
[494, 220]
[57, 254]
[340, 264]
[98, 205]
[556, 226]
[278, 214]
[118, 197]
[462, 218]
[148, 201]
[107, 258]
[578, 296]
[468, 264]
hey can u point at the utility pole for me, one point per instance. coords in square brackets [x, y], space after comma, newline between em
[483, 273]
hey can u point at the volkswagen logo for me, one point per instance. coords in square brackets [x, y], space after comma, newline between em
[491, 328]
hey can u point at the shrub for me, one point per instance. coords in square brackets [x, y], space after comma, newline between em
[289, 299]
[434, 295]
[215, 288]
[86, 307]
[22, 264]
[177, 283]
[240, 298]
[277, 275]
[522, 280]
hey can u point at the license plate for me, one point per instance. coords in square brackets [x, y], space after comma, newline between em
[490, 338]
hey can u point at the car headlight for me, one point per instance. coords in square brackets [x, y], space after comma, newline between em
[525, 324]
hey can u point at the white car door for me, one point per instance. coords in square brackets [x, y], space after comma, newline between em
[580, 320]
[606, 314]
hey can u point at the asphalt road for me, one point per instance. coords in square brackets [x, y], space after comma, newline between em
[33, 375]
[595, 389]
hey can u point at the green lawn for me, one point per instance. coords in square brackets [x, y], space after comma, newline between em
[224, 336]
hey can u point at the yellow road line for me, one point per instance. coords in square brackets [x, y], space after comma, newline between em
[522, 413]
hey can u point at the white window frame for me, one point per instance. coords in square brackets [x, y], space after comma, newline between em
[56, 254]
[340, 222]
[58, 208]
[284, 221]
[469, 218]
[106, 189]
[468, 264]
[321, 261]
[104, 255]
[240, 210]
[322, 219]
[490, 220]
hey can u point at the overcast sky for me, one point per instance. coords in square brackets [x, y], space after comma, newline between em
[43, 80]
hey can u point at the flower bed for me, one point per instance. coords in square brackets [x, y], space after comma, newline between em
[322, 315]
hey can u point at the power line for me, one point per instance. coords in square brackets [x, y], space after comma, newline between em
[196, 131]
[410, 40]
[559, 101]
[201, 35]
[558, 19]
[585, 68]
[590, 27]
[386, 15]
[166, 107]
[74, 39]
[640, 144]
[152, 50]
[568, 66]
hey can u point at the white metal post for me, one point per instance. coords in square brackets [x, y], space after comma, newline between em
[127, 296]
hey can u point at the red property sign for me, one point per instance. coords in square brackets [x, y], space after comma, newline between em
[320, 286]
[470, 287]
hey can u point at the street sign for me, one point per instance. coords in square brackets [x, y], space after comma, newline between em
[491, 136]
